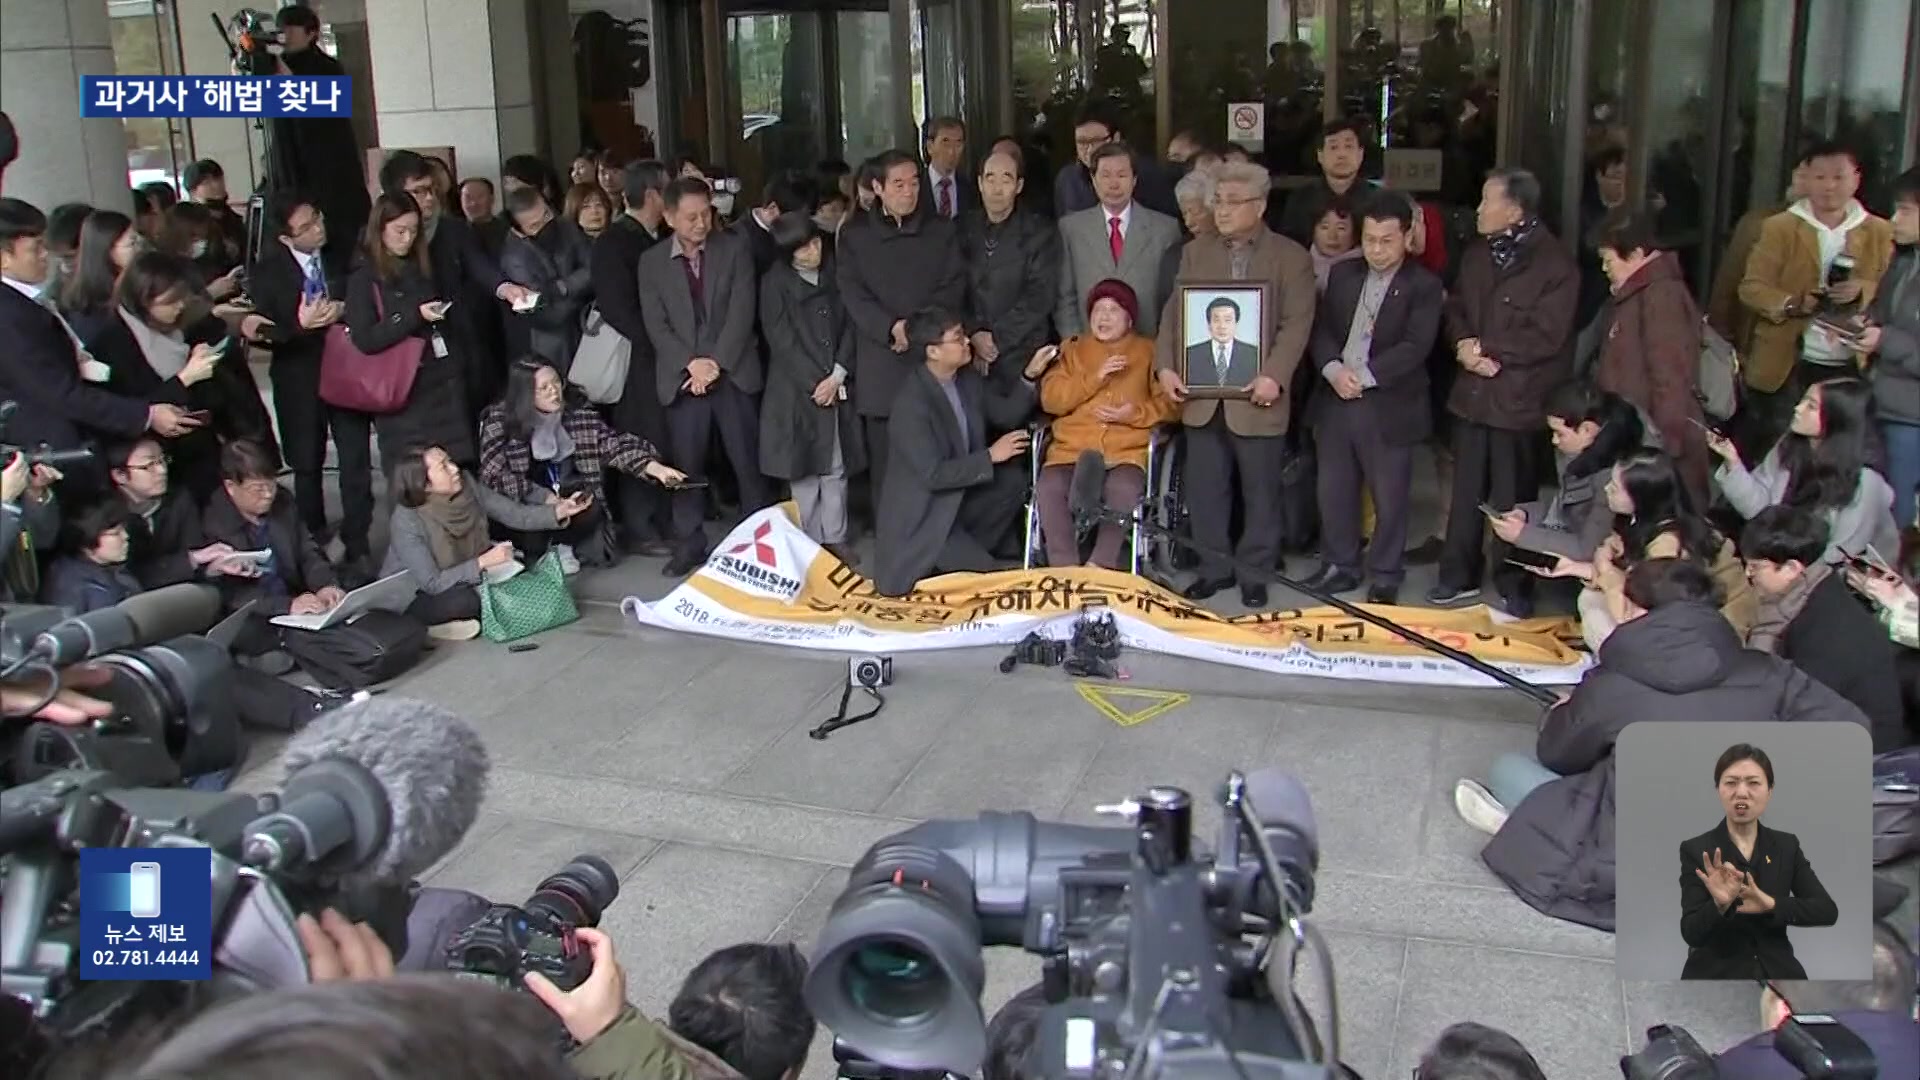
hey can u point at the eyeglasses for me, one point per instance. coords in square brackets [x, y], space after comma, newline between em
[259, 487]
[313, 223]
[161, 463]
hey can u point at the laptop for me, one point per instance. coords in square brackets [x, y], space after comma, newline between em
[391, 593]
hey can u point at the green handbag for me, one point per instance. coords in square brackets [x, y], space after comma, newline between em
[527, 603]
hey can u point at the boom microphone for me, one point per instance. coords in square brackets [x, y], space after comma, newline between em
[1087, 494]
[375, 793]
[144, 619]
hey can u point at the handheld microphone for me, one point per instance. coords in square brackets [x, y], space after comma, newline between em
[375, 793]
[145, 619]
[1278, 802]
[1087, 493]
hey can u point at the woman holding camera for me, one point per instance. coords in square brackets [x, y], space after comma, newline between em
[439, 534]
[537, 447]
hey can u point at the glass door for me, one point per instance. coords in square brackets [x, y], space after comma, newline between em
[146, 41]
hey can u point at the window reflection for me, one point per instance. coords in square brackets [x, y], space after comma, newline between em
[1073, 55]
[145, 42]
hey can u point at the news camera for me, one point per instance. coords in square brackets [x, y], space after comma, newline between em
[374, 793]
[509, 941]
[36, 455]
[173, 709]
[253, 41]
[1814, 1044]
[1157, 961]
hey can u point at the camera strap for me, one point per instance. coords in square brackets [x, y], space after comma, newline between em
[840, 719]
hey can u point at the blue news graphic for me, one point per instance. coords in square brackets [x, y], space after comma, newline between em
[199, 96]
[146, 913]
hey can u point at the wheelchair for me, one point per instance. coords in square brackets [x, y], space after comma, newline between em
[1149, 555]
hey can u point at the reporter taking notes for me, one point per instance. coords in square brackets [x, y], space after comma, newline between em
[1742, 884]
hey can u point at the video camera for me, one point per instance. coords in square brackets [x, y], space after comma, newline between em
[507, 941]
[1815, 1044]
[36, 455]
[253, 41]
[1148, 964]
[1092, 650]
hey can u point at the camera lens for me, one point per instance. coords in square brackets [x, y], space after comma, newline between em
[577, 894]
[867, 674]
[895, 982]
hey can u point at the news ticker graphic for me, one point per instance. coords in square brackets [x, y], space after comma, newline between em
[146, 913]
[203, 96]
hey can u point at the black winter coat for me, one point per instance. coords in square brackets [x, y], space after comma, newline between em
[886, 270]
[158, 544]
[557, 263]
[1837, 640]
[1523, 316]
[1682, 662]
[807, 333]
[1013, 276]
[436, 410]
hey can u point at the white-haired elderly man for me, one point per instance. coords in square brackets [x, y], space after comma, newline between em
[1243, 440]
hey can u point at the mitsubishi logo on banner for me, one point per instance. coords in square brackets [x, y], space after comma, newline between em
[762, 550]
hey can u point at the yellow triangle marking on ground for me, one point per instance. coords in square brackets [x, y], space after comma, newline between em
[1108, 700]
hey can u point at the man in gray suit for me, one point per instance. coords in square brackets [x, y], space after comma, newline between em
[1118, 238]
[697, 294]
[1222, 359]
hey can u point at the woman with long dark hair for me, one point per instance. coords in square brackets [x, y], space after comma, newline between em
[539, 447]
[108, 243]
[158, 352]
[1654, 518]
[1822, 464]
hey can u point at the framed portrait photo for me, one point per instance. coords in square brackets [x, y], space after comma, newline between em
[1221, 341]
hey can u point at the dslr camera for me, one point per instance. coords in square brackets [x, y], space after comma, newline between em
[507, 942]
[870, 672]
[253, 40]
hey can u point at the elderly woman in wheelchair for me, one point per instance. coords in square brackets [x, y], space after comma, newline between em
[1104, 397]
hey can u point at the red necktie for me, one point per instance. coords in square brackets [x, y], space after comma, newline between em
[1115, 242]
[946, 197]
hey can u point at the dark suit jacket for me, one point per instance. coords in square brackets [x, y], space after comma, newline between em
[274, 285]
[1243, 364]
[966, 194]
[40, 369]
[886, 271]
[1730, 945]
[931, 465]
[723, 327]
[759, 243]
[1087, 260]
[296, 558]
[1403, 333]
[158, 545]
[616, 290]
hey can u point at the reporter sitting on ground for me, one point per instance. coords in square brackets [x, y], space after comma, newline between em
[1104, 397]
[1592, 432]
[1471, 1051]
[536, 444]
[92, 574]
[1655, 520]
[439, 535]
[29, 522]
[252, 512]
[1880, 1011]
[1673, 657]
[1822, 463]
[949, 499]
[740, 1014]
[164, 543]
[1808, 615]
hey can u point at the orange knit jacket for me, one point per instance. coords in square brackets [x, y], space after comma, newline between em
[1072, 388]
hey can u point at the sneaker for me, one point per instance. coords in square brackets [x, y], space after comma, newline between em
[569, 562]
[1445, 595]
[457, 630]
[1478, 807]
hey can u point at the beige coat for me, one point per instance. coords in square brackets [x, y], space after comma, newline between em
[1785, 266]
[1292, 297]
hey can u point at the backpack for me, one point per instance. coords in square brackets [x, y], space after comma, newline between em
[1718, 386]
[370, 648]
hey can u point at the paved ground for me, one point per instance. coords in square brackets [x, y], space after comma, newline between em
[685, 762]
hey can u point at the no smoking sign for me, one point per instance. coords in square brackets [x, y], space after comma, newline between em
[1247, 124]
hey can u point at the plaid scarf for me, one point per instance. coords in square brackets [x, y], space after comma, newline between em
[1505, 245]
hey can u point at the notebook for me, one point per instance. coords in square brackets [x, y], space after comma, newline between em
[391, 593]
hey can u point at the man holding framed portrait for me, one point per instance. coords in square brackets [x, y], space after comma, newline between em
[1235, 327]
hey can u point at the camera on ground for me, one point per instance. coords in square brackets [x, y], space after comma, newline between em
[870, 672]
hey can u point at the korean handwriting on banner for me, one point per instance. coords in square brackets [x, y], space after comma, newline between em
[195, 96]
[146, 913]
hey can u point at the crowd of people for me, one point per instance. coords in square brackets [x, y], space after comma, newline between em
[919, 323]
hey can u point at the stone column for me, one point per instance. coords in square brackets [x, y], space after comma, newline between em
[45, 46]
[455, 73]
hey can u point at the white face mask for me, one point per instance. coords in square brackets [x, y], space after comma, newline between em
[723, 203]
[199, 249]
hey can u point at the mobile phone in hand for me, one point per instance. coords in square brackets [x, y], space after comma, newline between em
[1533, 560]
[222, 345]
[1487, 509]
[688, 484]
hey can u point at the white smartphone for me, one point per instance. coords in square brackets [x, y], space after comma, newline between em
[143, 890]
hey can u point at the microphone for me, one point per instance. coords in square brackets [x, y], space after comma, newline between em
[376, 792]
[1087, 493]
[149, 617]
[1278, 802]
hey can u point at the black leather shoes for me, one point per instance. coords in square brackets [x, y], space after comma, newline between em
[1253, 596]
[1204, 588]
[1383, 594]
[1331, 579]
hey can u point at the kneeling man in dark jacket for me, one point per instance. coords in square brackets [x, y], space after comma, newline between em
[949, 497]
[1674, 657]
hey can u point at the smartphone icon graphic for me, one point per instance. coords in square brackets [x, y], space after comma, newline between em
[143, 893]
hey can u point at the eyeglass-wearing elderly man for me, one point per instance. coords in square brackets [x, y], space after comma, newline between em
[1243, 440]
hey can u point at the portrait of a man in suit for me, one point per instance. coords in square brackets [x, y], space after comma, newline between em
[1220, 358]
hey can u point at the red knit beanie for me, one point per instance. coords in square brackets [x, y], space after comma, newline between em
[1120, 293]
